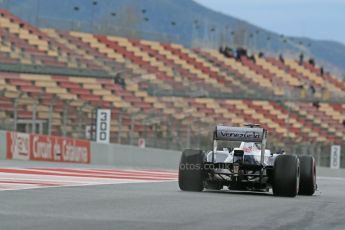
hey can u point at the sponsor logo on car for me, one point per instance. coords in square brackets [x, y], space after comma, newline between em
[244, 135]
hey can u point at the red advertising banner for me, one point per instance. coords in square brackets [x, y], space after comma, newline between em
[18, 146]
[47, 148]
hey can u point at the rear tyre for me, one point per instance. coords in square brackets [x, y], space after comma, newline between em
[286, 176]
[191, 172]
[307, 183]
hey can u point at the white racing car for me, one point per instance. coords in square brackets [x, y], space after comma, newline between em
[250, 167]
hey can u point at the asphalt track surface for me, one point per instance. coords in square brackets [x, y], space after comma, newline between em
[161, 205]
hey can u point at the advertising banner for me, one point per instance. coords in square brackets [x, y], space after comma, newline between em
[335, 156]
[141, 143]
[47, 148]
[18, 146]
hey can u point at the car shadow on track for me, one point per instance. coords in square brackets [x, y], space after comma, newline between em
[247, 193]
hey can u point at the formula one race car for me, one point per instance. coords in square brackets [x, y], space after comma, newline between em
[250, 167]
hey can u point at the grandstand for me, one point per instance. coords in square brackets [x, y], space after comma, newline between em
[53, 81]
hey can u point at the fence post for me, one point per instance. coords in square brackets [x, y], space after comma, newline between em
[188, 135]
[94, 123]
[119, 127]
[64, 118]
[34, 116]
[50, 116]
[15, 115]
[318, 155]
[81, 115]
[79, 122]
[131, 130]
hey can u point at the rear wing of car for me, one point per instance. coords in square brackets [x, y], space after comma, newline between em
[251, 133]
[227, 133]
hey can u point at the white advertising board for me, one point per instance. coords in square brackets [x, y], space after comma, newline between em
[335, 156]
[103, 126]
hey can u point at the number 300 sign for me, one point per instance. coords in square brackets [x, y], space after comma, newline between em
[103, 125]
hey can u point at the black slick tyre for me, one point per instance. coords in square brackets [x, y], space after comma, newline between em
[286, 176]
[191, 172]
[307, 184]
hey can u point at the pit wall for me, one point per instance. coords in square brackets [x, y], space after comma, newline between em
[328, 172]
[131, 156]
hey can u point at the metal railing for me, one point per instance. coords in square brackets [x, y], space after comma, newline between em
[203, 93]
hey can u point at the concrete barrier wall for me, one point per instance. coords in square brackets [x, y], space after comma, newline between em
[122, 155]
[2, 145]
[328, 172]
[134, 157]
